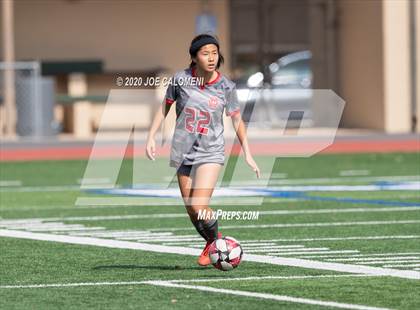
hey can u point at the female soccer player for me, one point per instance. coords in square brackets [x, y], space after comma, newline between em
[197, 150]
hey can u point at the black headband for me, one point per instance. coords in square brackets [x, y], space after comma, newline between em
[201, 42]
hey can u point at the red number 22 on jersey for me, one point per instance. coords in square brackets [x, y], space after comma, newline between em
[203, 119]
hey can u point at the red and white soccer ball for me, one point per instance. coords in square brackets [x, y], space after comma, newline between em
[225, 253]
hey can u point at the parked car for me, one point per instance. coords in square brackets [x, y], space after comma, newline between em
[283, 95]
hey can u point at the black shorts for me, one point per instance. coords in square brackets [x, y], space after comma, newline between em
[185, 170]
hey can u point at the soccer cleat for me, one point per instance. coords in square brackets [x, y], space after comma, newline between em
[204, 259]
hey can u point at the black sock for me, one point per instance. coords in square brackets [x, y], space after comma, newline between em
[199, 226]
[211, 228]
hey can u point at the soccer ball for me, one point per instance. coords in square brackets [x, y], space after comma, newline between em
[225, 253]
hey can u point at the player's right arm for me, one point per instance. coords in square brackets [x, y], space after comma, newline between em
[156, 123]
[170, 98]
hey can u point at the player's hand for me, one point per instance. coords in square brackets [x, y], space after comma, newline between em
[251, 162]
[151, 148]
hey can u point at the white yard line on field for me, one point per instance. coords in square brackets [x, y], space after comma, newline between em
[271, 278]
[322, 224]
[346, 210]
[360, 259]
[121, 234]
[285, 247]
[266, 296]
[303, 253]
[326, 224]
[402, 266]
[342, 238]
[264, 242]
[177, 284]
[365, 255]
[289, 184]
[376, 262]
[331, 180]
[197, 238]
[243, 244]
[287, 250]
[255, 192]
[283, 261]
[20, 286]
[183, 215]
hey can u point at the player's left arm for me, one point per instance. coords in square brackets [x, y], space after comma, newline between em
[240, 129]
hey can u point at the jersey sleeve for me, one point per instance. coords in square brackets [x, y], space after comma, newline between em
[171, 94]
[232, 103]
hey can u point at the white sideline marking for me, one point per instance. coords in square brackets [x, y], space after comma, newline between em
[346, 210]
[271, 278]
[280, 251]
[67, 229]
[143, 202]
[169, 238]
[300, 225]
[265, 296]
[137, 201]
[70, 284]
[205, 288]
[32, 224]
[402, 178]
[375, 262]
[118, 233]
[117, 217]
[403, 266]
[363, 255]
[262, 191]
[286, 247]
[219, 192]
[344, 238]
[35, 222]
[140, 235]
[163, 240]
[181, 281]
[284, 261]
[183, 215]
[371, 258]
[302, 253]
[49, 227]
[250, 244]
[243, 244]
[133, 236]
[335, 180]
[250, 248]
[10, 183]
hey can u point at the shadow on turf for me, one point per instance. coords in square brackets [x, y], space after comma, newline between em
[148, 267]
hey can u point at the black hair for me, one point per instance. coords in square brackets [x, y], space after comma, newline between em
[194, 51]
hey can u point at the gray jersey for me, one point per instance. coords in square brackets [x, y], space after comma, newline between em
[198, 136]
